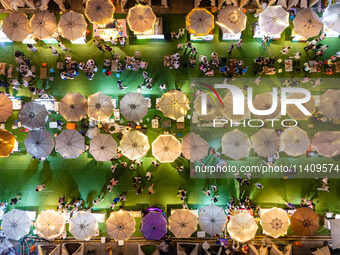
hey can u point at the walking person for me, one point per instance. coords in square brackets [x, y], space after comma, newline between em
[54, 51]
[239, 43]
[151, 190]
[232, 46]
[61, 46]
[40, 187]
[15, 200]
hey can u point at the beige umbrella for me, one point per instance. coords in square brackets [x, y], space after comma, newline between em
[331, 17]
[235, 144]
[44, 24]
[307, 23]
[322, 251]
[273, 20]
[294, 141]
[6, 107]
[73, 107]
[232, 19]
[99, 11]
[141, 19]
[72, 25]
[16, 26]
[70, 143]
[83, 225]
[265, 142]
[199, 22]
[295, 112]
[327, 143]
[227, 110]
[182, 223]
[264, 101]
[103, 147]
[242, 227]
[330, 104]
[194, 147]
[120, 225]
[49, 224]
[134, 145]
[100, 106]
[174, 104]
[133, 106]
[275, 222]
[166, 148]
[213, 108]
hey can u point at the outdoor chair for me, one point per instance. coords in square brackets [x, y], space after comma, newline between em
[10, 71]
[138, 54]
[60, 65]
[43, 73]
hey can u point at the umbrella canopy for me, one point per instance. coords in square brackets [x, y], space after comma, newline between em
[49, 224]
[92, 132]
[133, 106]
[194, 147]
[103, 147]
[70, 143]
[335, 233]
[134, 145]
[44, 25]
[166, 148]
[227, 110]
[294, 141]
[99, 11]
[33, 115]
[304, 222]
[235, 144]
[327, 143]
[174, 104]
[331, 17]
[330, 104]
[273, 20]
[7, 141]
[265, 142]
[324, 250]
[39, 143]
[120, 225]
[275, 222]
[16, 26]
[212, 219]
[83, 225]
[213, 108]
[153, 226]
[307, 23]
[199, 22]
[16, 224]
[263, 102]
[183, 223]
[72, 25]
[6, 107]
[73, 107]
[242, 227]
[232, 19]
[141, 19]
[295, 112]
[100, 106]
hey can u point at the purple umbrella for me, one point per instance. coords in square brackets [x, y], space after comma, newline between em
[153, 226]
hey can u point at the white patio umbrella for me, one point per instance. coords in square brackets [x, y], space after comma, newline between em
[70, 143]
[44, 24]
[100, 106]
[99, 11]
[120, 225]
[16, 26]
[83, 225]
[103, 147]
[141, 19]
[273, 20]
[194, 147]
[182, 223]
[330, 17]
[199, 22]
[213, 108]
[294, 141]
[174, 104]
[166, 148]
[295, 112]
[73, 107]
[49, 224]
[330, 104]
[264, 101]
[133, 106]
[265, 142]
[33, 115]
[6, 107]
[39, 143]
[212, 219]
[327, 143]
[235, 144]
[227, 110]
[72, 25]
[16, 224]
[232, 19]
[134, 145]
[242, 227]
[275, 222]
[307, 23]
